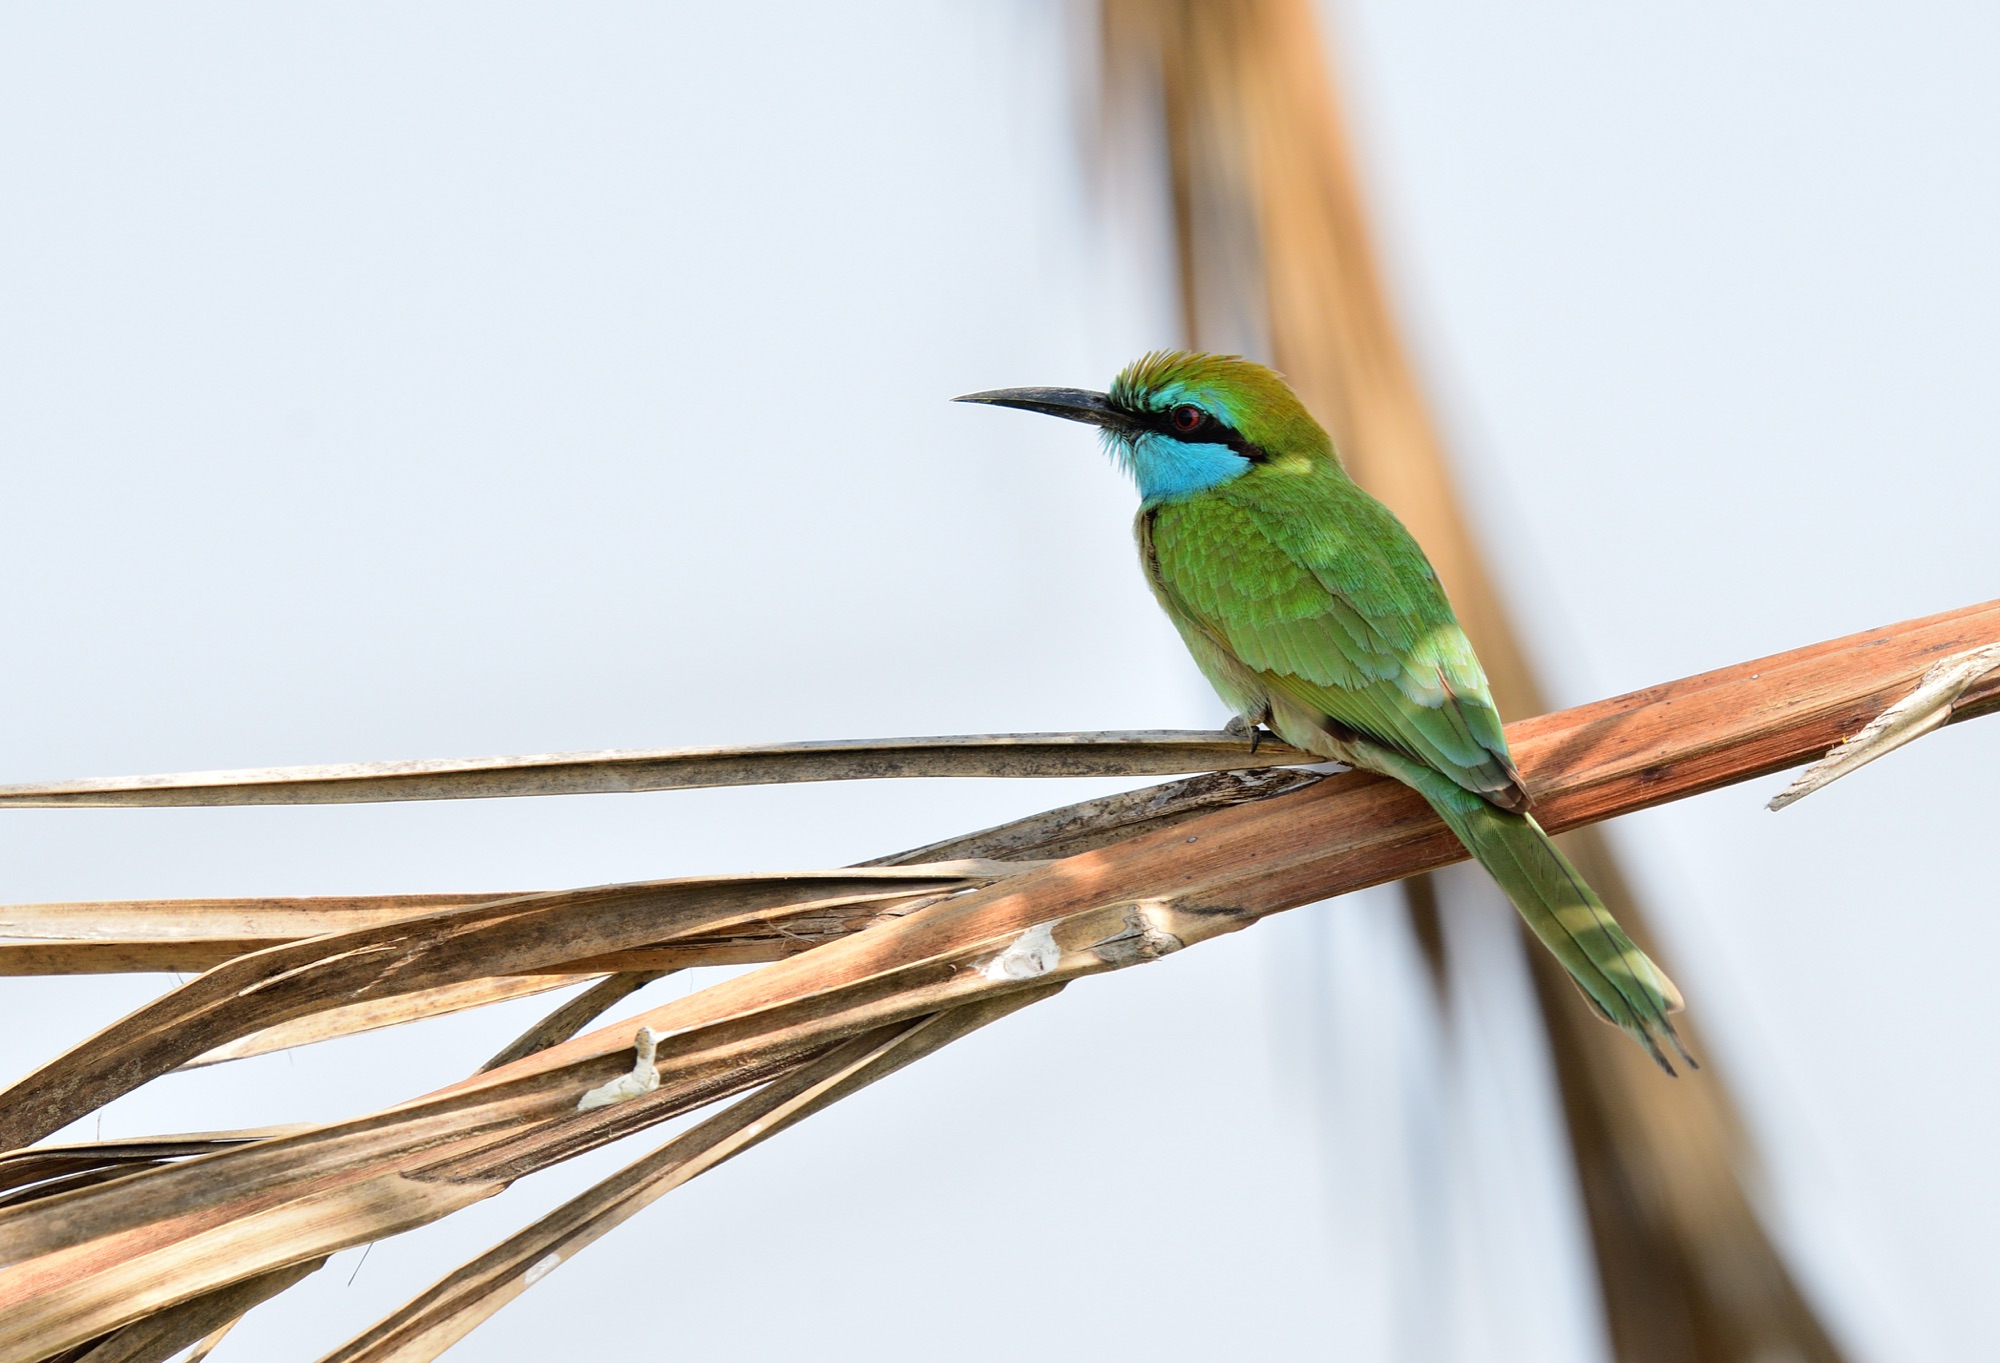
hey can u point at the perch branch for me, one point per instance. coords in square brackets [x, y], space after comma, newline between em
[597, 773]
[97, 1258]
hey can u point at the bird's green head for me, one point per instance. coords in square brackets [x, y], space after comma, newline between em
[1182, 423]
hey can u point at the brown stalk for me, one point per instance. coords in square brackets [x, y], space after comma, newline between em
[77, 1265]
[1582, 765]
[1010, 755]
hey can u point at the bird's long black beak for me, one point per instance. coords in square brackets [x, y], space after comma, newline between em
[1073, 404]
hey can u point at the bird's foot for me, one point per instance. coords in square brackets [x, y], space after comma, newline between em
[1250, 727]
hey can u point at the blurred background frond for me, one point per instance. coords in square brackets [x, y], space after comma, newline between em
[1275, 259]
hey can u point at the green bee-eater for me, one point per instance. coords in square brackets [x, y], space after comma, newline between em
[1309, 608]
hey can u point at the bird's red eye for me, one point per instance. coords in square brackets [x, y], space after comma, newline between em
[1187, 418]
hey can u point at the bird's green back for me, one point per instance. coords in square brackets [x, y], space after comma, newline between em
[1312, 584]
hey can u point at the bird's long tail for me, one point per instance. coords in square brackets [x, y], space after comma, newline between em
[1620, 981]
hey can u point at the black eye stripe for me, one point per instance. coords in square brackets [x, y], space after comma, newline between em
[1209, 430]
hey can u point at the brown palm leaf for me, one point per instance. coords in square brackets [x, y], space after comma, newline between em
[134, 1249]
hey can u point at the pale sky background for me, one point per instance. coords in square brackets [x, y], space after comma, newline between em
[384, 381]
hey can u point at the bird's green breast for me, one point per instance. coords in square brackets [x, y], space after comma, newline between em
[1298, 583]
[1292, 533]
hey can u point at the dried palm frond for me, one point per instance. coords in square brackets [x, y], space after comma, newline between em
[128, 1248]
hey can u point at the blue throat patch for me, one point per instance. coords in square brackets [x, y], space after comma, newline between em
[1168, 470]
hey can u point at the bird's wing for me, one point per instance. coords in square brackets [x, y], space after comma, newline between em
[1333, 605]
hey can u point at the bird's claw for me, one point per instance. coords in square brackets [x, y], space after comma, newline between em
[1245, 726]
